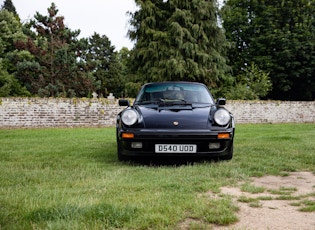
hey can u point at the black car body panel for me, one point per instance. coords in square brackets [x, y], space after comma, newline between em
[170, 126]
[187, 118]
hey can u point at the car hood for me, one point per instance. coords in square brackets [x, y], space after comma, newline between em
[176, 117]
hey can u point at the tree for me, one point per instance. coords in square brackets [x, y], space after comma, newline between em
[10, 32]
[102, 61]
[178, 40]
[55, 70]
[131, 84]
[280, 37]
[251, 84]
[8, 5]
[9, 85]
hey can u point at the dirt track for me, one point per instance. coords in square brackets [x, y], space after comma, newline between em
[275, 213]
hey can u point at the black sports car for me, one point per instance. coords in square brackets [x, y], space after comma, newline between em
[175, 119]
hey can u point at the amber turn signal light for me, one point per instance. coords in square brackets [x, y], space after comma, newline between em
[128, 135]
[223, 136]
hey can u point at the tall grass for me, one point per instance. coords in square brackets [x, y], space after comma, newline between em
[71, 178]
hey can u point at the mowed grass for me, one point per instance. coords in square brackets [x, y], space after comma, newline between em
[71, 179]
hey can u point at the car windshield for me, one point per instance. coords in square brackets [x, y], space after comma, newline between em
[174, 93]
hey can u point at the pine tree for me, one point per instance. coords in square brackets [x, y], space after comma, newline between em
[8, 5]
[55, 70]
[178, 40]
[10, 31]
[101, 61]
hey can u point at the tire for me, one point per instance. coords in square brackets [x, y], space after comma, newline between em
[120, 156]
[229, 156]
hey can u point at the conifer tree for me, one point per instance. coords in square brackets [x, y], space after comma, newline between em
[55, 70]
[101, 61]
[10, 32]
[8, 5]
[178, 40]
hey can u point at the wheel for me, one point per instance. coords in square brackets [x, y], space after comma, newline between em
[229, 156]
[120, 156]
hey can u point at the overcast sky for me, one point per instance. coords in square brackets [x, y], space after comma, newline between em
[105, 17]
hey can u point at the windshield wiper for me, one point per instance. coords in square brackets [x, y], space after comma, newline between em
[166, 102]
[146, 102]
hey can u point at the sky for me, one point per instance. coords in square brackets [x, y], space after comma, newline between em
[105, 17]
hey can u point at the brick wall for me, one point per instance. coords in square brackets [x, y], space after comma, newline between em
[59, 112]
[272, 111]
[82, 112]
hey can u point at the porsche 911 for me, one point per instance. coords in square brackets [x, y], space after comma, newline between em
[175, 119]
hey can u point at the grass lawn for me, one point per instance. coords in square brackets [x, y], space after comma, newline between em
[71, 178]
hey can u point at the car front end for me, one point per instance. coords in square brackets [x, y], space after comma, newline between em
[175, 127]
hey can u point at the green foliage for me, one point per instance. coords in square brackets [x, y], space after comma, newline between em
[10, 86]
[132, 89]
[102, 61]
[280, 37]
[130, 84]
[251, 84]
[178, 40]
[174, 40]
[9, 26]
[54, 71]
[50, 61]
[10, 32]
[8, 5]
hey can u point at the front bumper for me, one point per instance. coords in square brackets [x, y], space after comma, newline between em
[150, 137]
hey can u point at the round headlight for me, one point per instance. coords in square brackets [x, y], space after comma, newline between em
[129, 117]
[222, 117]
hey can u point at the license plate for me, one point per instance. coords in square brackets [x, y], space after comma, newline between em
[172, 148]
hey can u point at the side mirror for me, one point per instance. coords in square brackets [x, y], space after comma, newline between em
[123, 102]
[221, 101]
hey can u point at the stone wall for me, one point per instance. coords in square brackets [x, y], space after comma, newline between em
[83, 112]
[272, 111]
[59, 112]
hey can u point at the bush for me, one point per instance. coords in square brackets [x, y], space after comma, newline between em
[252, 84]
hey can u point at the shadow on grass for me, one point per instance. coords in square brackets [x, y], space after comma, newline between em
[108, 154]
[167, 161]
